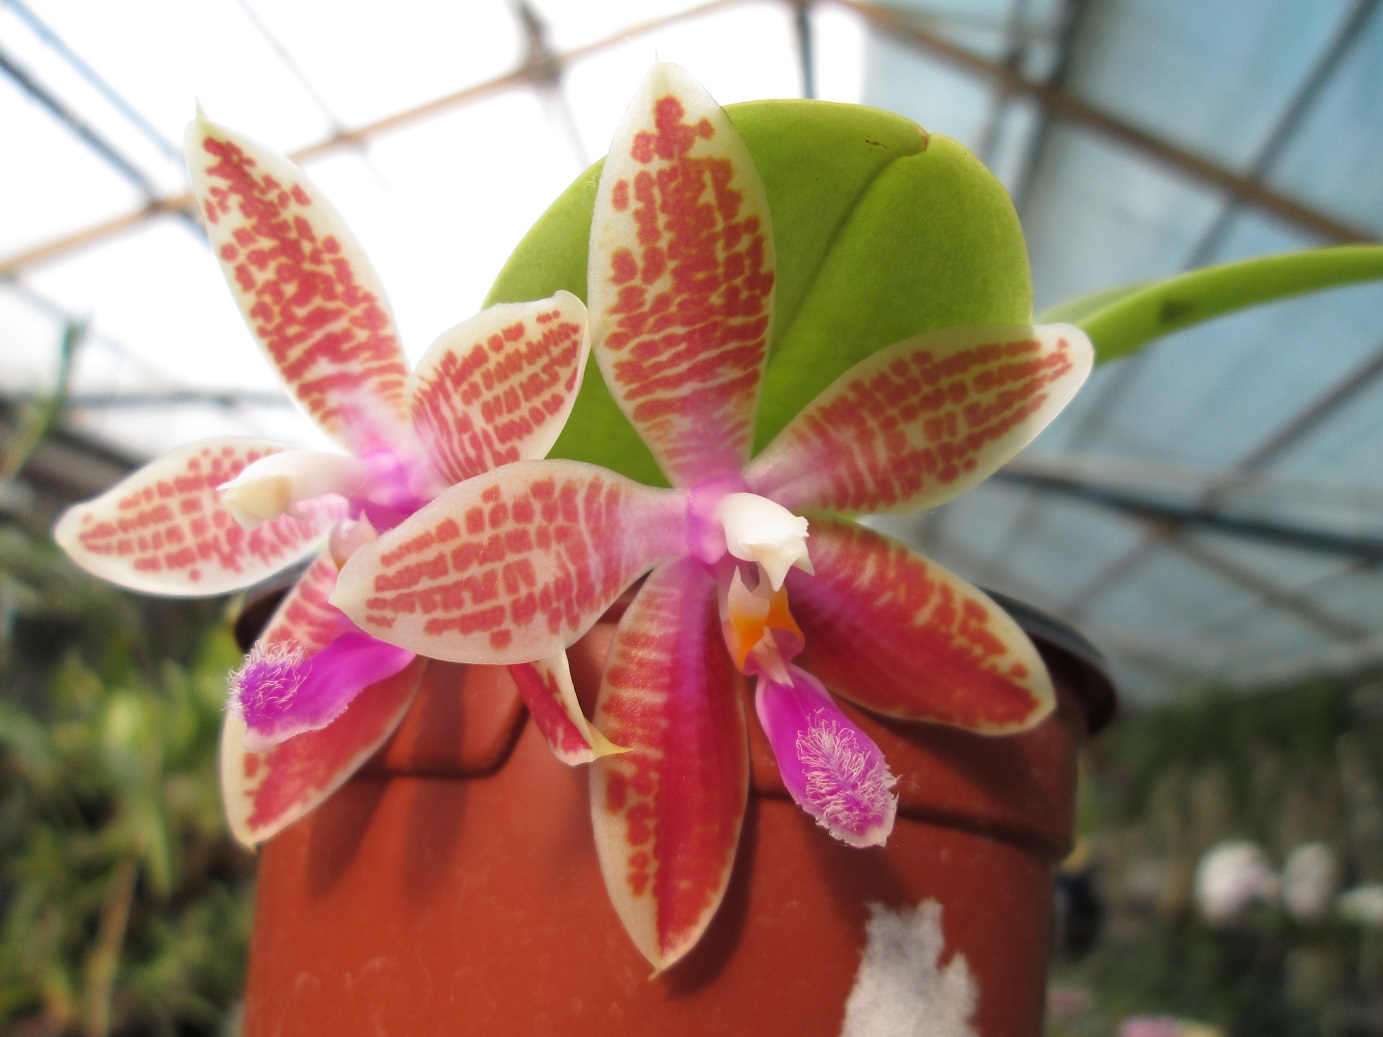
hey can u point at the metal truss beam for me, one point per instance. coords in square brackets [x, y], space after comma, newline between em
[1195, 516]
[1067, 106]
[14, 265]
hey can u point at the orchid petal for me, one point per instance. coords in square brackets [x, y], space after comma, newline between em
[282, 691]
[163, 530]
[899, 635]
[547, 690]
[513, 565]
[305, 617]
[924, 420]
[498, 387]
[831, 768]
[265, 792]
[668, 812]
[303, 284]
[681, 278]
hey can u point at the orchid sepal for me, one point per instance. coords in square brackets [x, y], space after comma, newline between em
[264, 792]
[163, 529]
[667, 813]
[512, 565]
[924, 420]
[903, 637]
[303, 284]
[681, 273]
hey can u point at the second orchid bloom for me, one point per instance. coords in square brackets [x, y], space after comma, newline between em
[753, 573]
[316, 695]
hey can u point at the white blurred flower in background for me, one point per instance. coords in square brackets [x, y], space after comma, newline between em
[1310, 880]
[1166, 1026]
[1233, 877]
[1362, 904]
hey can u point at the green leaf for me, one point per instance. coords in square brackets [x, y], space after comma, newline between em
[1122, 320]
[882, 232]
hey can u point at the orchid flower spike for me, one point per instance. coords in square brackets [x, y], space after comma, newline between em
[317, 695]
[752, 573]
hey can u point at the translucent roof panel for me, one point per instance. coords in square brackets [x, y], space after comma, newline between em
[1208, 511]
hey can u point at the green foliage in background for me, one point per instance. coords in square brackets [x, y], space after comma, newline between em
[126, 908]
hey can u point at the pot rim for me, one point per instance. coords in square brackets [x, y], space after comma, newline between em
[1095, 690]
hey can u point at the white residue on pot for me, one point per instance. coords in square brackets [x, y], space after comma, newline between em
[901, 989]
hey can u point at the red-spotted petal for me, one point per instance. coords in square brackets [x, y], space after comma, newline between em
[924, 420]
[265, 792]
[548, 692]
[305, 617]
[681, 278]
[161, 530]
[303, 284]
[513, 565]
[498, 388]
[901, 636]
[667, 813]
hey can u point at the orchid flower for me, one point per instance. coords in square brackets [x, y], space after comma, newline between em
[218, 516]
[752, 573]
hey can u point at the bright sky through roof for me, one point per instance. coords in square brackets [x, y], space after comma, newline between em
[438, 203]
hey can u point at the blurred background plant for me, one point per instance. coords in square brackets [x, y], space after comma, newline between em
[1234, 845]
[126, 908]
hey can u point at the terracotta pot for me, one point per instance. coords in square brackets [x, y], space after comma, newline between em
[452, 886]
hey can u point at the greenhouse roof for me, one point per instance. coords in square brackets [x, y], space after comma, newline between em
[1210, 510]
